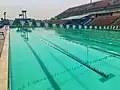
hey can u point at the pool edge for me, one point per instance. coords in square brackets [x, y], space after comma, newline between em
[4, 64]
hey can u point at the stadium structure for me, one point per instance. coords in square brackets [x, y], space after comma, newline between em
[92, 14]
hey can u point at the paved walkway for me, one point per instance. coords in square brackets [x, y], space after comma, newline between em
[4, 62]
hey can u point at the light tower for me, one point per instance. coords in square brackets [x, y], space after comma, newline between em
[90, 1]
[24, 13]
[4, 15]
[20, 15]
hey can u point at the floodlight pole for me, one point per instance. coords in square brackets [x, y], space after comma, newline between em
[4, 15]
[24, 13]
[20, 15]
[90, 1]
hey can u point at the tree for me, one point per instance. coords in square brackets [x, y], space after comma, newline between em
[1, 18]
[52, 18]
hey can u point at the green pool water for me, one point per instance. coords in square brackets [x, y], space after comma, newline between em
[49, 60]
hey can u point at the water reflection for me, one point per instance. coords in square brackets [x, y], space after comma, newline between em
[106, 39]
[24, 31]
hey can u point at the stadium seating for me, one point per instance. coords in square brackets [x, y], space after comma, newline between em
[110, 7]
[91, 7]
[102, 3]
[74, 11]
[103, 20]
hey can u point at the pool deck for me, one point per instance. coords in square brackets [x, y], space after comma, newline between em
[4, 64]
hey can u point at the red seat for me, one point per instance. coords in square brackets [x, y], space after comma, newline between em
[103, 20]
[102, 3]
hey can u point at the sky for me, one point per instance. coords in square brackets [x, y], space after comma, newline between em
[39, 9]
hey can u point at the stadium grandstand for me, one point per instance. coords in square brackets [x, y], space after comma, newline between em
[105, 11]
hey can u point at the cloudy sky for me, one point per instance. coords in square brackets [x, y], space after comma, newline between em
[41, 9]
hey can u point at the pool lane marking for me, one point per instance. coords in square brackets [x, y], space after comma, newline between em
[76, 59]
[45, 70]
[68, 71]
[99, 49]
[102, 50]
[115, 45]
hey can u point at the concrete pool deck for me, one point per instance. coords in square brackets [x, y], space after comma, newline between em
[4, 63]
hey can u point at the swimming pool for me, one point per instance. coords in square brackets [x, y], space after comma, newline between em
[51, 61]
